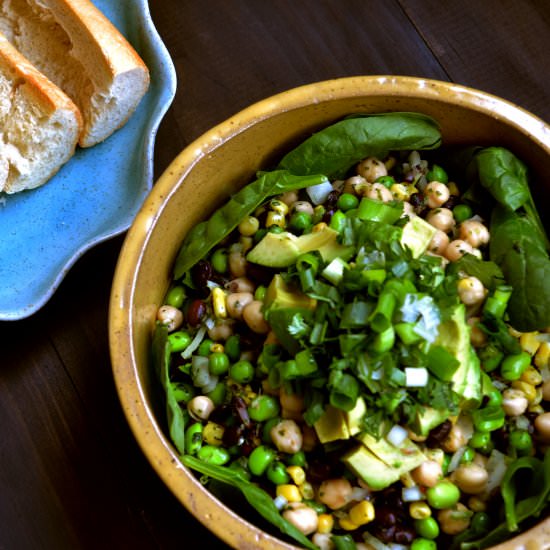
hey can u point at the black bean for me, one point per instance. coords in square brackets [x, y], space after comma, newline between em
[196, 312]
[259, 274]
[438, 434]
[327, 216]
[332, 199]
[451, 202]
[240, 407]
[201, 273]
[417, 200]
[404, 535]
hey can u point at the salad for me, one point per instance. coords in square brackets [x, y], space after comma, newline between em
[357, 342]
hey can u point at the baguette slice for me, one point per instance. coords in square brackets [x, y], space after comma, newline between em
[39, 124]
[79, 49]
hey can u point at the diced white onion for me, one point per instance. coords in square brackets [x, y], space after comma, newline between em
[359, 493]
[395, 546]
[199, 370]
[496, 468]
[319, 193]
[211, 285]
[412, 494]
[397, 435]
[522, 422]
[280, 502]
[454, 463]
[416, 377]
[195, 343]
[374, 542]
[377, 374]
[211, 384]
[334, 271]
[499, 385]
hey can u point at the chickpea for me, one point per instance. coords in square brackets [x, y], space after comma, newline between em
[241, 284]
[471, 478]
[222, 330]
[236, 302]
[171, 317]
[254, 318]
[371, 169]
[309, 438]
[453, 521]
[439, 242]
[478, 338]
[428, 473]
[441, 218]
[335, 493]
[408, 209]
[303, 206]
[355, 185]
[471, 291]
[474, 233]
[236, 262]
[514, 402]
[287, 436]
[200, 407]
[437, 194]
[542, 426]
[303, 517]
[378, 192]
[289, 197]
[455, 440]
[457, 248]
[323, 541]
[291, 401]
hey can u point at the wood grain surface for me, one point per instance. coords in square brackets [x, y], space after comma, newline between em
[71, 474]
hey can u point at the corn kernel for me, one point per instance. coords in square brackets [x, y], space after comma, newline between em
[319, 227]
[362, 513]
[348, 525]
[212, 434]
[542, 355]
[217, 348]
[218, 303]
[278, 206]
[535, 409]
[513, 332]
[389, 163]
[306, 490]
[297, 474]
[529, 342]
[399, 192]
[249, 226]
[476, 504]
[274, 218]
[419, 510]
[290, 492]
[528, 389]
[407, 480]
[532, 376]
[326, 523]
[246, 243]
[538, 396]
[453, 188]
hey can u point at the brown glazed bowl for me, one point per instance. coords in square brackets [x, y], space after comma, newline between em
[206, 173]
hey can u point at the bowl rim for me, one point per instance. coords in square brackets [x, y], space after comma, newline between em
[155, 445]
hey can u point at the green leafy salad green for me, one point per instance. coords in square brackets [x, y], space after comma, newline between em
[357, 343]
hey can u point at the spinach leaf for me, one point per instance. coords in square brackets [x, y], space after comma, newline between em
[207, 234]
[161, 361]
[335, 149]
[517, 248]
[257, 497]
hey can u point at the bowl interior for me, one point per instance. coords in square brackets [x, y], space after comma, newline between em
[208, 171]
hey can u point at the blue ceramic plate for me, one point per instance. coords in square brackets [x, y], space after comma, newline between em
[96, 195]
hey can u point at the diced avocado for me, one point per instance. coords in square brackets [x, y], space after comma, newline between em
[454, 335]
[427, 419]
[282, 249]
[402, 459]
[280, 295]
[370, 469]
[332, 425]
[417, 235]
[354, 418]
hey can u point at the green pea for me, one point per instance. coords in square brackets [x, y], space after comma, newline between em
[260, 458]
[468, 455]
[300, 222]
[480, 522]
[266, 430]
[386, 181]
[297, 459]
[204, 347]
[423, 544]
[179, 340]
[277, 474]
[218, 394]
[193, 438]
[217, 456]
[338, 221]
[232, 347]
[242, 372]
[437, 174]
[513, 366]
[427, 528]
[521, 440]
[443, 495]
[176, 296]
[259, 293]
[347, 201]
[219, 260]
[182, 392]
[263, 407]
[462, 212]
[275, 229]
[480, 440]
[218, 363]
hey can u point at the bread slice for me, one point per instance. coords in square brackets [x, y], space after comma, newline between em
[39, 124]
[78, 48]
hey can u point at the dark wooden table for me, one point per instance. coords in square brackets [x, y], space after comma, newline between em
[71, 474]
